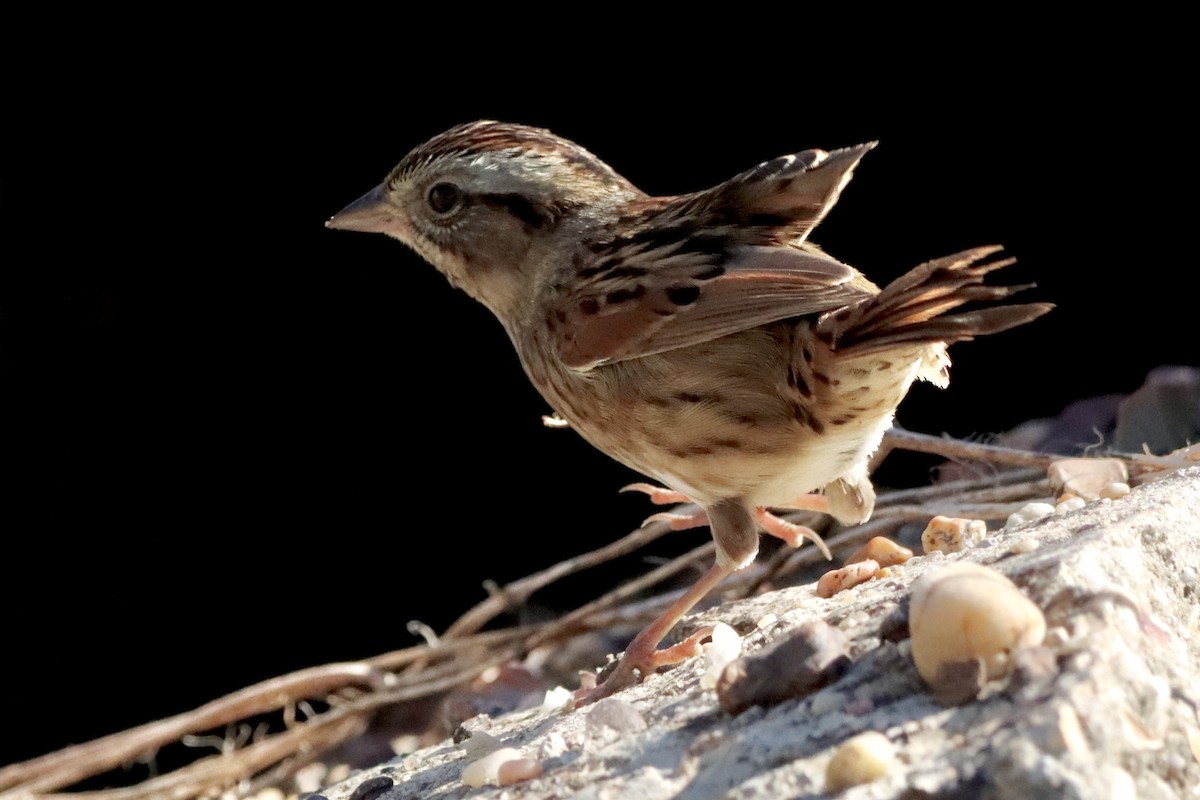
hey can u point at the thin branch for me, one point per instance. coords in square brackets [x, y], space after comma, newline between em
[517, 592]
[400, 658]
[1139, 463]
[227, 769]
[966, 451]
[72, 764]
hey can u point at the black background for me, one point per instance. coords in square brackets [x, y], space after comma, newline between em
[238, 443]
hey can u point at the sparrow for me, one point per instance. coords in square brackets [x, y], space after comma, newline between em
[700, 339]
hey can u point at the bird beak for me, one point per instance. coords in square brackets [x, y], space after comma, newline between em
[371, 213]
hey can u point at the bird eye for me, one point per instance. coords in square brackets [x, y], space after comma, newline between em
[444, 197]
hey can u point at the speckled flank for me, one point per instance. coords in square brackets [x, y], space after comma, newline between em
[703, 418]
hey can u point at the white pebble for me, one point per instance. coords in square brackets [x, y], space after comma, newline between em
[1028, 513]
[270, 794]
[1115, 490]
[767, 621]
[725, 646]
[1070, 504]
[486, 770]
[1026, 544]
[310, 777]
[557, 698]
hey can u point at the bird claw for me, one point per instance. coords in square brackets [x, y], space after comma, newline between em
[659, 495]
[791, 533]
[678, 522]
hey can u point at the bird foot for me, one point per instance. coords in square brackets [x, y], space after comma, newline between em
[640, 659]
[791, 533]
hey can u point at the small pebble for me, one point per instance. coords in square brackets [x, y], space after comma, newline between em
[836, 580]
[1070, 504]
[767, 621]
[966, 611]
[860, 759]
[883, 551]
[1026, 544]
[405, 743]
[517, 770]
[725, 646]
[1086, 477]
[557, 698]
[1115, 490]
[1028, 513]
[486, 770]
[952, 534]
[371, 788]
[310, 777]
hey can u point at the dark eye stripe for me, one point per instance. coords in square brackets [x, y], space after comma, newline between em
[535, 215]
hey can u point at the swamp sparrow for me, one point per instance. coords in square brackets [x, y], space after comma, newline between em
[699, 339]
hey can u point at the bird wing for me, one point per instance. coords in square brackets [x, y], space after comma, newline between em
[757, 285]
[689, 269]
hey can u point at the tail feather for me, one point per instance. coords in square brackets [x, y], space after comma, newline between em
[913, 308]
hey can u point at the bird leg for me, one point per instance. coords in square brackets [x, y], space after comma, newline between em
[792, 534]
[642, 656]
[735, 529]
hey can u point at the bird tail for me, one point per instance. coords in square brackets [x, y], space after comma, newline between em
[914, 308]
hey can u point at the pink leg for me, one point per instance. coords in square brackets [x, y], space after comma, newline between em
[643, 656]
[790, 532]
